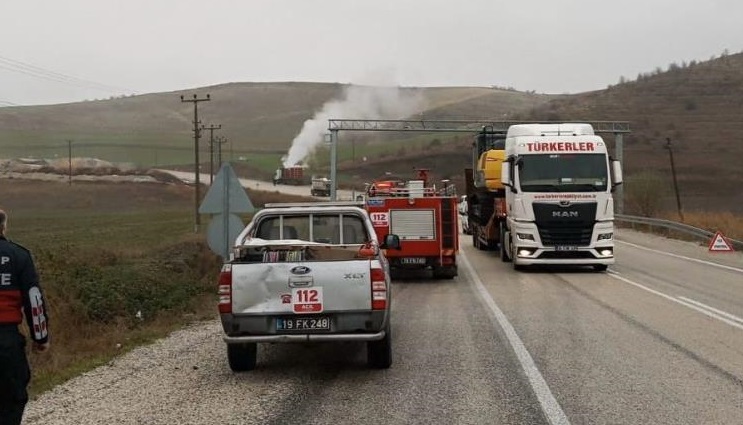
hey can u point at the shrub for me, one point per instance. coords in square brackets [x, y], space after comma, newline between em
[645, 192]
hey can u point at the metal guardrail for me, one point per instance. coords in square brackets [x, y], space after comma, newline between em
[676, 226]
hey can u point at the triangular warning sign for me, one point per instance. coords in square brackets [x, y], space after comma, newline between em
[720, 244]
[226, 195]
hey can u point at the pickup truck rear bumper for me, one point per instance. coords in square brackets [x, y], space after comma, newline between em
[305, 338]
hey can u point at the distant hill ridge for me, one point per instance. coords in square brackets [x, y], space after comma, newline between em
[698, 106]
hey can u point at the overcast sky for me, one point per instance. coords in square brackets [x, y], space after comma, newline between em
[551, 46]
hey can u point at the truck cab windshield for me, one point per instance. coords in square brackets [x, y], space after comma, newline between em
[563, 173]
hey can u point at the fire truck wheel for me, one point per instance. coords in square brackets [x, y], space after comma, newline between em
[242, 357]
[444, 272]
[394, 273]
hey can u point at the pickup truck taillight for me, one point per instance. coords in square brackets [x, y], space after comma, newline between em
[379, 289]
[225, 289]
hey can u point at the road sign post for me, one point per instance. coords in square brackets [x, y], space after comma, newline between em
[225, 198]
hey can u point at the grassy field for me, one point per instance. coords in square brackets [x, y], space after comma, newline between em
[105, 252]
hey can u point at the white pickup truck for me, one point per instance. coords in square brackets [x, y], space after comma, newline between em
[307, 273]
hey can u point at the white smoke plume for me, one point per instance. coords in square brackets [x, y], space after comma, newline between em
[359, 102]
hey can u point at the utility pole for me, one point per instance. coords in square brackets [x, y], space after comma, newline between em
[675, 183]
[220, 141]
[196, 135]
[211, 129]
[69, 161]
[333, 164]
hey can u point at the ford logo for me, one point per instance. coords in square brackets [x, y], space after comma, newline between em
[300, 270]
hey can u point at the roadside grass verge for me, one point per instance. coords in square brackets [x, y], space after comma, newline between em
[120, 265]
[115, 281]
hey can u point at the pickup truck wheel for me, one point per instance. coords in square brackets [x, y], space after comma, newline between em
[242, 357]
[379, 353]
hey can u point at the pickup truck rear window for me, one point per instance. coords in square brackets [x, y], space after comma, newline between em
[336, 229]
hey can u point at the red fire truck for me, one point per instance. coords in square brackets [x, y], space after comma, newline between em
[424, 218]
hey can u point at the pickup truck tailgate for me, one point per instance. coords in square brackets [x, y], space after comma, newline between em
[301, 288]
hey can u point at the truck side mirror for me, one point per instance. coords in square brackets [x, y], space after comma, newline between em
[391, 242]
[616, 169]
[506, 174]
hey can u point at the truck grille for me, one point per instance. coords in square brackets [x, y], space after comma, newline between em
[565, 225]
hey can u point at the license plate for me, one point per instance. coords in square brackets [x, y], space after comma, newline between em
[565, 248]
[301, 324]
[413, 260]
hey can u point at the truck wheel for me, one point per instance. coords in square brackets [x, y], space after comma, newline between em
[503, 246]
[394, 273]
[600, 267]
[242, 357]
[476, 241]
[379, 353]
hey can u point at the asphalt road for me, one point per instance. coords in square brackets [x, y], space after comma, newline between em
[346, 195]
[656, 340]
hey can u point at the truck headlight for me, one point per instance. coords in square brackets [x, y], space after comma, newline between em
[606, 252]
[606, 236]
[525, 236]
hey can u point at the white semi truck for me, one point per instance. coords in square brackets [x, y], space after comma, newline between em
[559, 182]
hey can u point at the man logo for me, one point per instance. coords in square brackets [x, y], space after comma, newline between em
[564, 214]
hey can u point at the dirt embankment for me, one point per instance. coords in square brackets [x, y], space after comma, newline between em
[79, 169]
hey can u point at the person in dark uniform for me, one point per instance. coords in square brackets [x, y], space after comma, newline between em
[20, 295]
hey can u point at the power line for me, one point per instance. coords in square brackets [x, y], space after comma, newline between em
[24, 67]
[49, 75]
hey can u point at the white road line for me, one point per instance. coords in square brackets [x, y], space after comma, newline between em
[682, 301]
[550, 407]
[712, 309]
[696, 260]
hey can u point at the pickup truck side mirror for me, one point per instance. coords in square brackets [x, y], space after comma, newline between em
[391, 242]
